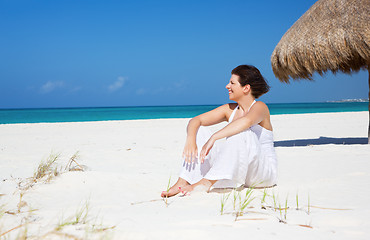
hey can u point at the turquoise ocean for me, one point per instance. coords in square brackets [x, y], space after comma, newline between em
[11, 116]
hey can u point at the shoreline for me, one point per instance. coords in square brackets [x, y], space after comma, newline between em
[128, 163]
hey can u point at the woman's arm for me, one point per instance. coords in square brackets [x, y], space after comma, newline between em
[212, 117]
[256, 114]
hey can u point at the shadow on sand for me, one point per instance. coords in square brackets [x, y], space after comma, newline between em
[320, 141]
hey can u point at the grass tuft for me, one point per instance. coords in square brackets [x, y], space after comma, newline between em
[243, 204]
[21, 203]
[80, 217]
[224, 198]
[46, 171]
[296, 199]
[83, 219]
[168, 188]
[247, 199]
[46, 168]
[236, 195]
[263, 199]
[274, 199]
[286, 207]
[73, 165]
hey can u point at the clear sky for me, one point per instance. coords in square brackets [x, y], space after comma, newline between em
[70, 53]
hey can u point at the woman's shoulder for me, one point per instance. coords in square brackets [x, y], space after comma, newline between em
[261, 106]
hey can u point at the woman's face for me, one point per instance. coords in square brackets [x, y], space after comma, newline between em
[235, 89]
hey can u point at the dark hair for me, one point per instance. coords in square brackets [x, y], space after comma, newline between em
[251, 75]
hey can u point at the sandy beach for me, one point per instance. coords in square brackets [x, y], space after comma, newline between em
[323, 160]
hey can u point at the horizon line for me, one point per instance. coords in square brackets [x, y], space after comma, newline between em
[181, 105]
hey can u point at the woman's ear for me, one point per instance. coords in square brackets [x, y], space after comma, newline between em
[246, 88]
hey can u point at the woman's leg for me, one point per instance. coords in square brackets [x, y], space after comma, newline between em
[224, 166]
[191, 173]
[233, 160]
[203, 186]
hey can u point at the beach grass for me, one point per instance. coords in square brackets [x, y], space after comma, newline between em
[263, 199]
[248, 198]
[49, 169]
[168, 188]
[21, 203]
[73, 165]
[44, 172]
[296, 200]
[2, 210]
[23, 233]
[279, 209]
[274, 199]
[236, 195]
[224, 199]
[286, 208]
[82, 220]
[3, 235]
[80, 217]
[46, 168]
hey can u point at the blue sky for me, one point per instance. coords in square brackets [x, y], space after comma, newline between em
[144, 53]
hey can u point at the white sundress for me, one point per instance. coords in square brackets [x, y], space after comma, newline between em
[247, 158]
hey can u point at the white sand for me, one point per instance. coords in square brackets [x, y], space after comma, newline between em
[131, 162]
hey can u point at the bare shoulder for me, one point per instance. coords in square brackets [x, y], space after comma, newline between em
[260, 106]
[261, 109]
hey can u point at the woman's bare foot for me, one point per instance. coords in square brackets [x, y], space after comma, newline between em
[202, 186]
[175, 189]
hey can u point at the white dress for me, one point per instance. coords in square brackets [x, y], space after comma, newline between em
[247, 158]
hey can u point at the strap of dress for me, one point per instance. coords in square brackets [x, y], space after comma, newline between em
[251, 105]
[233, 113]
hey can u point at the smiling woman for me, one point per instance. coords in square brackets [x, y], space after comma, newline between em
[247, 157]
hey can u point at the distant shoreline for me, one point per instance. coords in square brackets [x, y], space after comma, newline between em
[350, 100]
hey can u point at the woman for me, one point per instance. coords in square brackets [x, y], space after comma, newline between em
[247, 156]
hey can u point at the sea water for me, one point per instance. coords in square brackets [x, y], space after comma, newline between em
[8, 116]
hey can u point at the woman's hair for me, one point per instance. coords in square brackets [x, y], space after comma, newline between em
[251, 75]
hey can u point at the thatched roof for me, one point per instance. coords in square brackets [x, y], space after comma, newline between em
[332, 35]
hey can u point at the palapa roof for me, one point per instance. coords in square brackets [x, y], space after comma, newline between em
[332, 35]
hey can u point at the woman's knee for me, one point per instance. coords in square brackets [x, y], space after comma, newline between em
[203, 135]
[244, 135]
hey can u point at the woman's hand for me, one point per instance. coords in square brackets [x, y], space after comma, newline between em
[190, 153]
[206, 148]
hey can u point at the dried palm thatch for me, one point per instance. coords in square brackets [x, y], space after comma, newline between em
[333, 35]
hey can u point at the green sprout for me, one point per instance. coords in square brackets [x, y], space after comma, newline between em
[224, 198]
